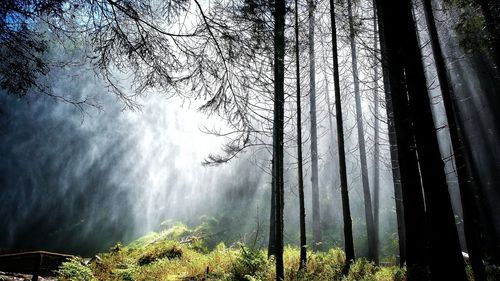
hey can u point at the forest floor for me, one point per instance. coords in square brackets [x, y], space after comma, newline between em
[167, 256]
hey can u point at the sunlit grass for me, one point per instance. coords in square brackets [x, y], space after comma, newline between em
[169, 255]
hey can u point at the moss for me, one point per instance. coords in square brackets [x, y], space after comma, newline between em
[158, 251]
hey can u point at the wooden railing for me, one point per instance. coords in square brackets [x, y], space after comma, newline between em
[35, 263]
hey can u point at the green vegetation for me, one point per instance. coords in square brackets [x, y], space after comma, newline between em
[74, 270]
[181, 253]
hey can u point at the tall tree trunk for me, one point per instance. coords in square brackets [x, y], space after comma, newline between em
[333, 150]
[370, 228]
[400, 129]
[396, 176]
[376, 148]
[346, 211]
[303, 241]
[465, 180]
[279, 106]
[316, 220]
[330, 125]
[271, 246]
[398, 193]
[443, 237]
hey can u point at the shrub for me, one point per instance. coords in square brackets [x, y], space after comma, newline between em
[324, 266]
[249, 263]
[393, 273]
[74, 270]
[160, 251]
[399, 274]
[125, 274]
[361, 270]
[116, 249]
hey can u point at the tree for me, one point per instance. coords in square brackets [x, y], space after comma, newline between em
[131, 37]
[316, 220]
[396, 176]
[376, 149]
[302, 214]
[409, 92]
[398, 117]
[443, 236]
[346, 211]
[396, 179]
[122, 35]
[279, 102]
[370, 228]
[475, 49]
[466, 182]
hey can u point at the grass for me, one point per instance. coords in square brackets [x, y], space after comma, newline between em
[169, 256]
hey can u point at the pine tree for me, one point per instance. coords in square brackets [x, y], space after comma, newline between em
[346, 211]
[370, 228]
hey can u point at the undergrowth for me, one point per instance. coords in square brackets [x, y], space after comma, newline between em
[179, 254]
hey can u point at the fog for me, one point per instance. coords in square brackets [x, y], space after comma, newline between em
[80, 181]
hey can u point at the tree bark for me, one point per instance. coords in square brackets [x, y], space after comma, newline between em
[401, 131]
[443, 237]
[271, 246]
[396, 175]
[302, 215]
[278, 129]
[376, 148]
[346, 211]
[316, 220]
[398, 193]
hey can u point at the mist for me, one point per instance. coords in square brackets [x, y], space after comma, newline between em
[80, 181]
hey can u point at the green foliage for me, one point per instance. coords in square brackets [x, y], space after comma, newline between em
[469, 272]
[249, 263]
[175, 231]
[361, 270]
[472, 33]
[116, 248]
[320, 265]
[210, 230]
[179, 253]
[389, 248]
[393, 273]
[170, 250]
[74, 270]
[399, 274]
[470, 25]
[125, 274]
